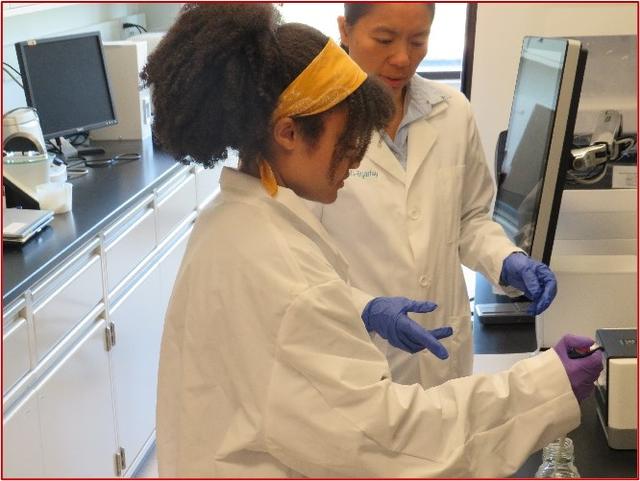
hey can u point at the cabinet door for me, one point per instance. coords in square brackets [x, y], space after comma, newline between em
[21, 444]
[76, 412]
[138, 320]
[169, 267]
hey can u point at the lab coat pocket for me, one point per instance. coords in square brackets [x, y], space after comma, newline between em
[449, 192]
[460, 346]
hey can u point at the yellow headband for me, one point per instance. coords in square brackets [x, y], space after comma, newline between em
[329, 79]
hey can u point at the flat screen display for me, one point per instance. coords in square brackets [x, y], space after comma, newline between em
[65, 79]
[531, 126]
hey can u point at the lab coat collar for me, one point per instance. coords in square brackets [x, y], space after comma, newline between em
[291, 206]
[380, 154]
[422, 136]
[426, 93]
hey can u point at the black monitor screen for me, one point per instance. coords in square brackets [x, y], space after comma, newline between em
[65, 79]
[531, 123]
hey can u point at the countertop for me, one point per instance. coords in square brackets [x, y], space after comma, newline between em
[99, 198]
[592, 455]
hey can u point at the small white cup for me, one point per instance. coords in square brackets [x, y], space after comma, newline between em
[55, 196]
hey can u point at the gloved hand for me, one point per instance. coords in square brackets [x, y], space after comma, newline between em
[531, 277]
[388, 317]
[582, 372]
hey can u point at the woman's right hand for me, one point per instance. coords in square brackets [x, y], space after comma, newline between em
[582, 372]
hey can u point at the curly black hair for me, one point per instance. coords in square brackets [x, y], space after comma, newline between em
[217, 76]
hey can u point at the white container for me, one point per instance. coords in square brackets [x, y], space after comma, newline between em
[55, 196]
[58, 173]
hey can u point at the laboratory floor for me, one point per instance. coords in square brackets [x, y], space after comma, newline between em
[482, 364]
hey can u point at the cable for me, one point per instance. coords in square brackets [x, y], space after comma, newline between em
[134, 25]
[631, 143]
[11, 74]
[12, 68]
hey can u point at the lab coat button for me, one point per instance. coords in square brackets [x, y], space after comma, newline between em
[414, 213]
[424, 281]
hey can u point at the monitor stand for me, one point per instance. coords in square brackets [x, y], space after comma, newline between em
[70, 151]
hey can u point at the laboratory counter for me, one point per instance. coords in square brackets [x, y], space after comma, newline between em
[99, 198]
[592, 455]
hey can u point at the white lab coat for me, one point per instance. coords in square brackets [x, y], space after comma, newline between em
[406, 233]
[266, 369]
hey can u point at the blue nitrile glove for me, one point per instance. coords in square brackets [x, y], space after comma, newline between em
[388, 317]
[531, 277]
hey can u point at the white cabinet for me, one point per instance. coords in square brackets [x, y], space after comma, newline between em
[170, 265]
[137, 318]
[81, 346]
[58, 312]
[76, 411]
[175, 203]
[15, 345]
[128, 242]
[21, 446]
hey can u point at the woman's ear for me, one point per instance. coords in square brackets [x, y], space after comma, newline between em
[344, 34]
[285, 134]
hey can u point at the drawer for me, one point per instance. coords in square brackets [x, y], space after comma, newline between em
[207, 183]
[128, 243]
[175, 203]
[15, 352]
[55, 315]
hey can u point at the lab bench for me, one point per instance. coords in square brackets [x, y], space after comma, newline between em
[83, 306]
[593, 457]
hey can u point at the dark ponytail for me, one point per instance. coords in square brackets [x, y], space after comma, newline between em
[217, 76]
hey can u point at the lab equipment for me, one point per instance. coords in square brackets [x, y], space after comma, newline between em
[65, 79]
[387, 316]
[595, 262]
[617, 387]
[26, 169]
[584, 371]
[124, 61]
[531, 277]
[21, 131]
[531, 170]
[557, 460]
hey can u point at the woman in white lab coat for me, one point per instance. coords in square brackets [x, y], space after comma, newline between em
[421, 197]
[266, 368]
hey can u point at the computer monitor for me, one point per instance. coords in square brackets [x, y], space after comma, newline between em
[532, 168]
[65, 79]
[539, 141]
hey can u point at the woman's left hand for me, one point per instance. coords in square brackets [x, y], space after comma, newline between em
[533, 278]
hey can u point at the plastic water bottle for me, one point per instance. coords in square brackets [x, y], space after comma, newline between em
[557, 460]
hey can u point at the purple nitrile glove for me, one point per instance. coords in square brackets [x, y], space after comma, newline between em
[582, 372]
[388, 317]
[533, 278]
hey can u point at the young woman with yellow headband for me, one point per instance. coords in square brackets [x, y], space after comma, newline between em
[266, 369]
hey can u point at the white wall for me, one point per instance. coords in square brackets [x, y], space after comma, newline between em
[41, 21]
[160, 16]
[499, 31]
